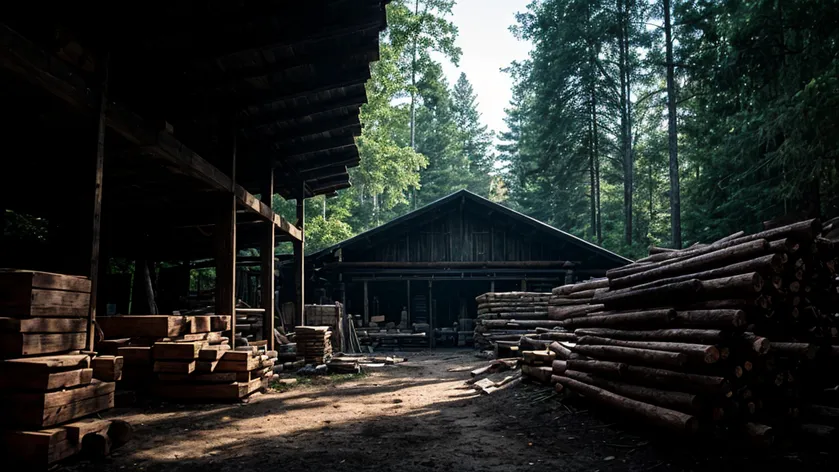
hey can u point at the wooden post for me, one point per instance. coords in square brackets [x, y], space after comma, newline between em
[225, 246]
[97, 203]
[300, 260]
[569, 277]
[492, 286]
[524, 285]
[266, 252]
[366, 305]
[430, 316]
[408, 306]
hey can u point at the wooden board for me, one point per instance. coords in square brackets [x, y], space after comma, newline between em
[225, 365]
[107, 368]
[30, 415]
[205, 367]
[174, 367]
[237, 356]
[43, 325]
[199, 324]
[110, 346]
[216, 377]
[220, 323]
[33, 344]
[176, 351]
[44, 364]
[135, 355]
[36, 449]
[38, 302]
[25, 279]
[42, 380]
[213, 353]
[44, 400]
[151, 326]
[77, 430]
[181, 391]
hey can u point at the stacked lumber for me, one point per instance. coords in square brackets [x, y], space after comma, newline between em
[537, 365]
[42, 313]
[506, 316]
[48, 385]
[197, 371]
[249, 324]
[133, 337]
[393, 339]
[738, 335]
[314, 343]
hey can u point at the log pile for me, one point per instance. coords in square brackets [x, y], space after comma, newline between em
[506, 316]
[48, 383]
[314, 343]
[739, 335]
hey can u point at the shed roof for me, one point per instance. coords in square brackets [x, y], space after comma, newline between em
[466, 195]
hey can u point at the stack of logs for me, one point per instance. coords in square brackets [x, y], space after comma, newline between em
[739, 335]
[505, 317]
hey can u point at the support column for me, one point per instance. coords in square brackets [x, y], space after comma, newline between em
[225, 247]
[366, 306]
[431, 342]
[408, 305]
[524, 285]
[569, 277]
[266, 251]
[299, 260]
[492, 286]
[97, 204]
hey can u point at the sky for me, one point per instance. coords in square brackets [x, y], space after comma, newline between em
[487, 46]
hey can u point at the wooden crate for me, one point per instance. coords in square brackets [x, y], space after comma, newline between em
[26, 294]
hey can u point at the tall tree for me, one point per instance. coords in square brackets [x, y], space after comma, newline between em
[673, 144]
[475, 140]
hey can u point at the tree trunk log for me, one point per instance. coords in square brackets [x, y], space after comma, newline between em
[768, 264]
[521, 323]
[558, 336]
[579, 287]
[597, 367]
[564, 313]
[712, 318]
[654, 415]
[679, 381]
[663, 294]
[707, 261]
[803, 350]
[702, 353]
[632, 355]
[651, 318]
[701, 336]
[745, 285]
[561, 351]
[541, 374]
[559, 367]
[675, 400]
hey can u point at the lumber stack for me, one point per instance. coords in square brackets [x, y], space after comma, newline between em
[249, 324]
[537, 366]
[42, 313]
[739, 335]
[48, 385]
[314, 343]
[133, 337]
[506, 316]
[196, 371]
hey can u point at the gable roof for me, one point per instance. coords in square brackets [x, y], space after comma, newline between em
[467, 195]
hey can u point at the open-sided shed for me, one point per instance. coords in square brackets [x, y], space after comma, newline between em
[160, 130]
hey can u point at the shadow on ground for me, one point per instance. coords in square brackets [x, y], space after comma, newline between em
[419, 419]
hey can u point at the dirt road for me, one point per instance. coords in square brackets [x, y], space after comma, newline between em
[417, 416]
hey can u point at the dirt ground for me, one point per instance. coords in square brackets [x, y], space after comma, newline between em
[416, 416]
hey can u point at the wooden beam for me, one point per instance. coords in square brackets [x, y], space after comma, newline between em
[225, 246]
[366, 305]
[97, 203]
[266, 252]
[408, 305]
[24, 59]
[431, 314]
[313, 108]
[312, 128]
[300, 259]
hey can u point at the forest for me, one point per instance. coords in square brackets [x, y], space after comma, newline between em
[633, 122]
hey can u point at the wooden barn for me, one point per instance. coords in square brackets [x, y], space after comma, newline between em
[157, 134]
[434, 261]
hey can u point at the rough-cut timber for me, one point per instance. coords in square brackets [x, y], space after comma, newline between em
[697, 352]
[676, 400]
